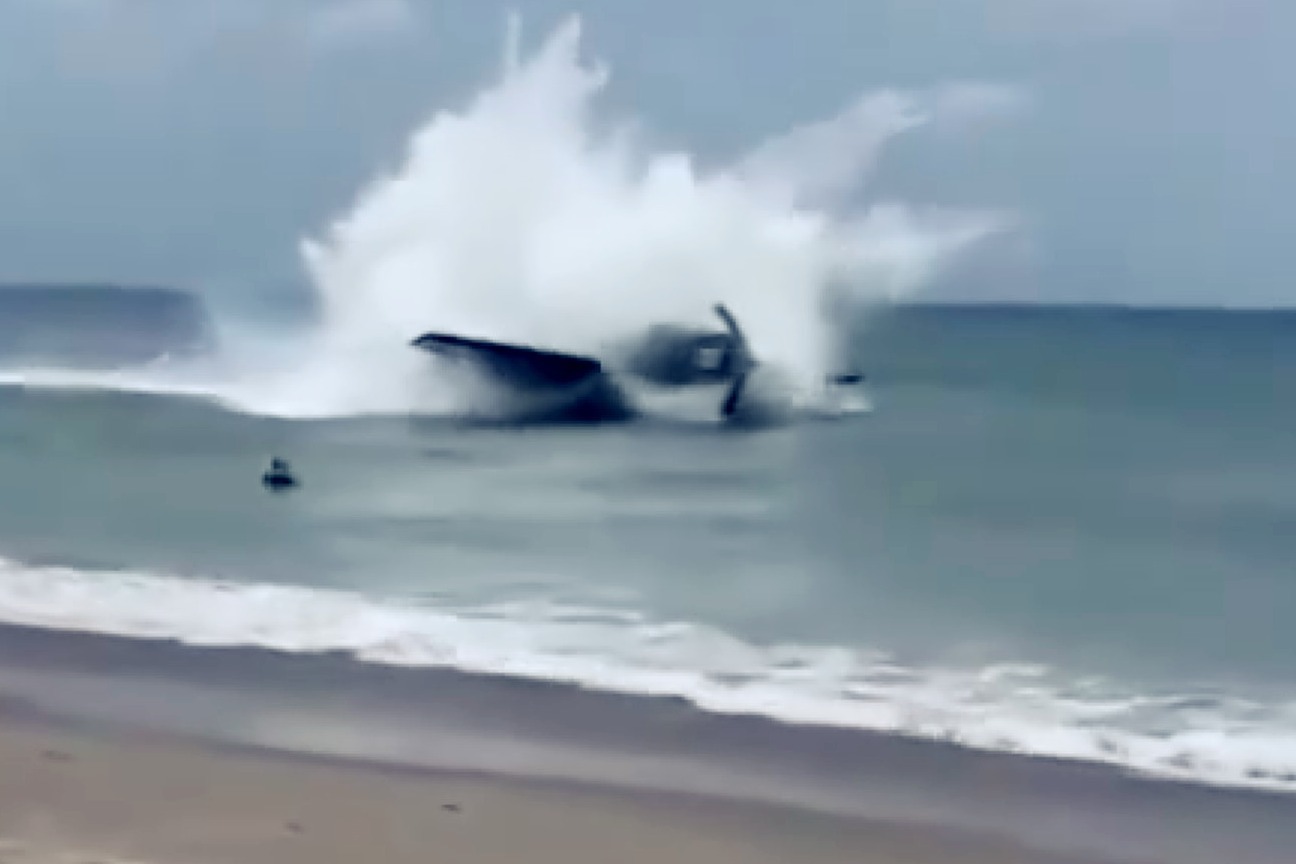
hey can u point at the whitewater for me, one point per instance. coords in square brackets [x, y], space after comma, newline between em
[1021, 708]
[530, 216]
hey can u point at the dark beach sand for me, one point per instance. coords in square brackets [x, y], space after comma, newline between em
[115, 749]
[83, 797]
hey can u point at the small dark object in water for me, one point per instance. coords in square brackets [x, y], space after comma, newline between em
[279, 477]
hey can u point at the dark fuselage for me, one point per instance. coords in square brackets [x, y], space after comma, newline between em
[672, 356]
[554, 382]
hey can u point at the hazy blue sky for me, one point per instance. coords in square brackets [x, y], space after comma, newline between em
[195, 141]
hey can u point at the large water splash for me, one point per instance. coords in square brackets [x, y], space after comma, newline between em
[524, 217]
[528, 216]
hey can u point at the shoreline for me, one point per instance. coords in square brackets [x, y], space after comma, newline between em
[1164, 735]
[331, 710]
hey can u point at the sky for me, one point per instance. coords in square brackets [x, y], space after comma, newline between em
[1149, 160]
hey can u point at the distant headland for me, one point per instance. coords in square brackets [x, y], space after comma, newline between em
[100, 325]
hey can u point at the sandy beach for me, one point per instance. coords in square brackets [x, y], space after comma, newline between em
[75, 797]
[132, 750]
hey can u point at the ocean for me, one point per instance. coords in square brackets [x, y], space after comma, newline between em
[1059, 532]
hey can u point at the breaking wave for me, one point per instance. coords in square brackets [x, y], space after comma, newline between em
[1017, 708]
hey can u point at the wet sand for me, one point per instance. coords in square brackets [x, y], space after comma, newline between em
[133, 750]
[80, 797]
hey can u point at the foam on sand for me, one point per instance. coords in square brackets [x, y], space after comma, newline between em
[1025, 709]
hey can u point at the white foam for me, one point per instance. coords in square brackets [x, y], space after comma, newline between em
[1020, 708]
[525, 215]
[120, 380]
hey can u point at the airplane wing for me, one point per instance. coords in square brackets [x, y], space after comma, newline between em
[517, 365]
